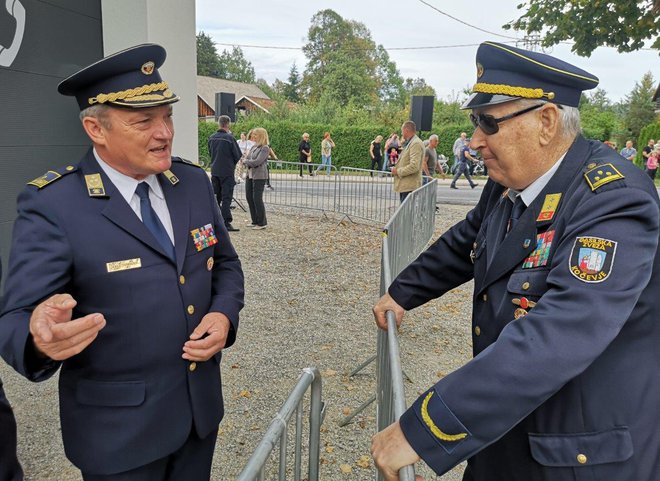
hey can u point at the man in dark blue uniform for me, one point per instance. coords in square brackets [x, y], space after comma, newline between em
[122, 273]
[225, 154]
[563, 250]
[10, 469]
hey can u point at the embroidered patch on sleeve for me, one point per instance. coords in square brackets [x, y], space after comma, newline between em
[204, 237]
[592, 259]
[540, 256]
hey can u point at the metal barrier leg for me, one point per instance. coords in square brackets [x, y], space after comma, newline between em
[298, 448]
[362, 407]
[362, 366]
[238, 203]
[315, 414]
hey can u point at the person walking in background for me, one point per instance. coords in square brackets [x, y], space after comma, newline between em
[376, 154]
[408, 171]
[456, 149]
[652, 161]
[122, 273]
[648, 150]
[305, 153]
[257, 163]
[629, 152]
[430, 159]
[225, 154]
[463, 169]
[391, 143]
[327, 144]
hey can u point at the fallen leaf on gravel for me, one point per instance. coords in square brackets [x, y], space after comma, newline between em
[329, 373]
[364, 461]
[346, 468]
[235, 366]
[245, 393]
[440, 374]
[346, 411]
[329, 449]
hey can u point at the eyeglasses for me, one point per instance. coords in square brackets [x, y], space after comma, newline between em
[489, 124]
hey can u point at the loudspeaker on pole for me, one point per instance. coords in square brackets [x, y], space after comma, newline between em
[225, 104]
[421, 111]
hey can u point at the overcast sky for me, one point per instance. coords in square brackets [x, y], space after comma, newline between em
[406, 23]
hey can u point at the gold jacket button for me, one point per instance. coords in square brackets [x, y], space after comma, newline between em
[192, 367]
[70, 168]
[182, 280]
[191, 309]
[525, 286]
[477, 330]
[582, 459]
[485, 297]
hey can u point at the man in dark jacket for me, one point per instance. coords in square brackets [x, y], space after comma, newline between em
[123, 277]
[225, 154]
[563, 251]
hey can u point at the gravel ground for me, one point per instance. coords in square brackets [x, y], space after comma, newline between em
[310, 285]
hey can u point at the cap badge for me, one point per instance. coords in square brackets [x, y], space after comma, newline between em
[480, 70]
[148, 68]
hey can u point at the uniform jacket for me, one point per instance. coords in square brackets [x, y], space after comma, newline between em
[129, 398]
[224, 152]
[409, 167]
[569, 389]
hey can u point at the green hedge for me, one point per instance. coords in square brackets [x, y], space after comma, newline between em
[651, 131]
[352, 143]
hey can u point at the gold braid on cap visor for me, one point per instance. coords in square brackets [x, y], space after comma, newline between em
[128, 94]
[523, 92]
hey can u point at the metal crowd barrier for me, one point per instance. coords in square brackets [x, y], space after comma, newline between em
[278, 430]
[366, 194]
[405, 236]
[355, 193]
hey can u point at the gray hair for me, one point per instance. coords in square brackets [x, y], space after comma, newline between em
[99, 112]
[433, 137]
[224, 120]
[569, 118]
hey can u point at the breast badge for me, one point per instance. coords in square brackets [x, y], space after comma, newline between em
[204, 237]
[592, 259]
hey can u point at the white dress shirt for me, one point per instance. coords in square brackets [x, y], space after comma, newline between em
[126, 186]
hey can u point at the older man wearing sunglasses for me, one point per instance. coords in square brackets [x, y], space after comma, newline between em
[563, 251]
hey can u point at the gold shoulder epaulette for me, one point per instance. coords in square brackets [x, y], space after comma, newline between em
[599, 175]
[51, 176]
[187, 162]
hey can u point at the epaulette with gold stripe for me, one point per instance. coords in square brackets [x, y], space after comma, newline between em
[51, 176]
[599, 175]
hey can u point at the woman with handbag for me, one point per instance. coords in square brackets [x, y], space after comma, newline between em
[256, 161]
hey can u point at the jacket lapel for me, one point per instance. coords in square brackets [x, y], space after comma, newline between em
[178, 205]
[512, 251]
[116, 208]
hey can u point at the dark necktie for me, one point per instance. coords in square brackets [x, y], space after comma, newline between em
[517, 210]
[151, 220]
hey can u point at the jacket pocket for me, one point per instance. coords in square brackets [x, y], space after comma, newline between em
[527, 282]
[581, 449]
[111, 394]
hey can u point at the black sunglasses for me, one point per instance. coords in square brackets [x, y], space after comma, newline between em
[489, 124]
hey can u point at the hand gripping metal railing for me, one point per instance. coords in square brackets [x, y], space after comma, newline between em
[277, 433]
[404, 237]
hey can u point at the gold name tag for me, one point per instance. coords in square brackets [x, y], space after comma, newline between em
[124, 265]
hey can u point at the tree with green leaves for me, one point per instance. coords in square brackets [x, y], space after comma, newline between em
[417, 86]
[208, 63]
[234, 66]
[291, 89]
[344, 62]
[640, 110]
[624, 24]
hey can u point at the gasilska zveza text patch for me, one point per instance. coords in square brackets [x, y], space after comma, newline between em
[592, 259]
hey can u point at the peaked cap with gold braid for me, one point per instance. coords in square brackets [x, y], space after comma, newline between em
[129, 78]
[506, 73]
